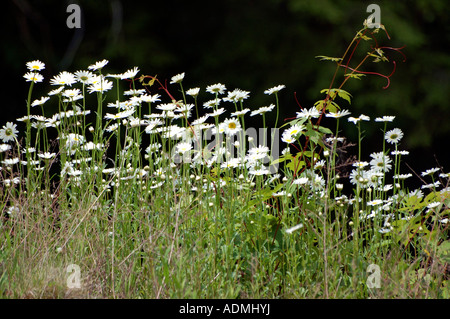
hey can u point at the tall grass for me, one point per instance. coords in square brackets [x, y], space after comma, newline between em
[150, 201]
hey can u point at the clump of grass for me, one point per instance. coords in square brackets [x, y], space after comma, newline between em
[150, 201]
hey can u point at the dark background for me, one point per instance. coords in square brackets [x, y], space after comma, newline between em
[251, 45]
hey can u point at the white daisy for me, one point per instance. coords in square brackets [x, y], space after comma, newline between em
[8, 132]
[430, 171]
[35, 65]
[393, 136]
[216, 88]
[275, 89]
[338, 114]
[177, 78]
[217, 112]
[41, 101]
[193, 92]
[129, 74]
[33, 77]
[4, 147]
[183, 147]
[232, 126]
[63, 78]
[380, 162]
[362, 117]
[240, 113]
[300, 181]
[211, 103]
[311, 113]
[84, 77]
[262, 110]
[100, 86]
[237, 95]
[385, 119]
[47, 155]
[98, 65]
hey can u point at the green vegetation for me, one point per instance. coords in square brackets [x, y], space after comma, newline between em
[150, 199]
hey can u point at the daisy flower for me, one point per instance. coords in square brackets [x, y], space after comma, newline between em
[100, 86]
[362, 117]
[74, 140]
[240, 113]
[112, 128]
[259, 171]
[300, 181]
[71, 93]
[393, 136]
[232, 163]
[167, 107]
[380, 162]
[358, 176]
[295, 129]
[8, 132]
[63, 78]
[432, 185]
[338, 114]
[287, 138]
[216, 88]
[236, 95]
[275, 89]
[129, 74]
[217, 112]
[98, 65]
[232, 126]
[84, 77]
[360, 164]
[262, 110]
[134, 92]
[400, 153]
[150, 98]
[47, 155]
[4, 147]
[41, 101]
[402, 176]
[430, 171]
[177, 78]
[11, 161]
[193, 92]
[385, 119]
[293, 228]
[119, 115]
[183, 147]
[375, 202]
[433, 205]
[200, 120]
[35, 65]
[311, 113]
[211, 103]
[56, 91]
[33, 77]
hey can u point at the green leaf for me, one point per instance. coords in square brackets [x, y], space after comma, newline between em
[345, 95]
[355, 75]
[443, 251]
[328, 58]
